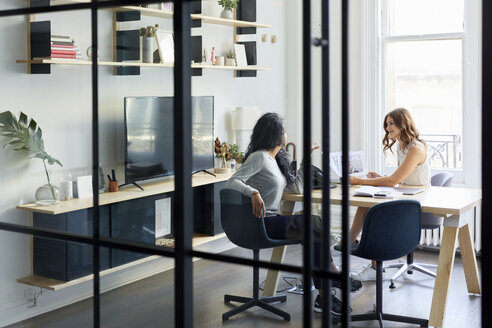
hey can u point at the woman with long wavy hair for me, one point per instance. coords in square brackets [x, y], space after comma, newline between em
[264, 175]
[413, 168]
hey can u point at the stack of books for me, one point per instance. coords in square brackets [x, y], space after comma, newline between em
[64, 47]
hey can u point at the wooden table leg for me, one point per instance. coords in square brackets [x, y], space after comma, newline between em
[443, 276]
[272, 277]
[469, 260]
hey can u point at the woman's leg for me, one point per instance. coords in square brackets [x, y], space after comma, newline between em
[358, 223]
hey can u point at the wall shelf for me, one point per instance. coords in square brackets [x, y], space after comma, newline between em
[105, 63]
[53, 284]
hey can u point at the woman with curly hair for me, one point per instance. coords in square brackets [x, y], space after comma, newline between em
[413, 168]
[264, 175]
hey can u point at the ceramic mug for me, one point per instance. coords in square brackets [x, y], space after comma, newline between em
[219, 60]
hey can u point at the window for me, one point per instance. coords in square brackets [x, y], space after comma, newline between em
[422, 47]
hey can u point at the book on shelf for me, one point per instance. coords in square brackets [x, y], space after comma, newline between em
[62, 43]
[63, 46]
[53, 39]
[64, 52]
[56, 56]
[60, 36]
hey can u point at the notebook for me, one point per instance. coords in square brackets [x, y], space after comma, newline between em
[409, 191]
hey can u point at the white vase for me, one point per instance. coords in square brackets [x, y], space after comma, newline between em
[227, 14]
[147, 49]
[230, 62]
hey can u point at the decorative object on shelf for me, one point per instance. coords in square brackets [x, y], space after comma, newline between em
[264, 38]
[274, 38]
[204, 56]
[212, 56]
[27, 135]
[90, 52]
[230, 56]
[227, 155]
[166, 5]
[219, 61]
[165, 45]
[148, 34]
[240, 52]
[227, 8]
[66, 187]
[243, 120]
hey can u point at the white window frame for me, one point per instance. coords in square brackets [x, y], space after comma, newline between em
[374, 98]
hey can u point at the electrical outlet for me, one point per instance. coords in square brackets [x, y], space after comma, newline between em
[29, 294]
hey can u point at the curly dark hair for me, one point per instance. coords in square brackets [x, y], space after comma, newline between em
[268, 133]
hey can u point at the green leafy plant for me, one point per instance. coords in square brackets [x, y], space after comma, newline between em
[228, 4]
[26, 135]
[236, 154]
[231, 54]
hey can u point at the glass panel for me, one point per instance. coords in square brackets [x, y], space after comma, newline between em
[411, 17]
[426, 78]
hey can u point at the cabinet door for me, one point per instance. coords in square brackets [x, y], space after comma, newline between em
[132, 220]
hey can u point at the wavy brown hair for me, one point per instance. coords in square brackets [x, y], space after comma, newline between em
[404, 121]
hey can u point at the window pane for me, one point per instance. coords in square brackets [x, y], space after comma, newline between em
[425, 77]
[424, 16]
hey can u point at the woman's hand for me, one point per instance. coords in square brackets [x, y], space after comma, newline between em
[373, 175]
[258, 205]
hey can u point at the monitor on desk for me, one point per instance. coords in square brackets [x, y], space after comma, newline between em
[149, 136]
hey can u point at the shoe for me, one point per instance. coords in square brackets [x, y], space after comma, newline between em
[355, 285]
[336, 305]
[338, 247]
[367, 274]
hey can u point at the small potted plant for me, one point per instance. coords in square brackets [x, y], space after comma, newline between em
[26, 135]
[237, 157]
[227, 8]
[148, 35]
[230, 56]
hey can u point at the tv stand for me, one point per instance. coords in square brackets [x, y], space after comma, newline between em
[205, 172]
[133, 183]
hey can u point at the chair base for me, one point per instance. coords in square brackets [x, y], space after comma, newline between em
[380, 316]
[250, 302]
[409, 269]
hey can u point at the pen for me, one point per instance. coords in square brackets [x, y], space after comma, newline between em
[113, 175]
[109, 178]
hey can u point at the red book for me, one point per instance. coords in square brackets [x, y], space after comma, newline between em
[63, 52]
[63, 56]
[60, 45]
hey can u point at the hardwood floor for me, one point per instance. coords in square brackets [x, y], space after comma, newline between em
[150, 302]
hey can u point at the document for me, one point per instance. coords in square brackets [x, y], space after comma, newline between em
[376, 192]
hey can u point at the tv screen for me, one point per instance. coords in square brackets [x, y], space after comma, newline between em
[149, 131]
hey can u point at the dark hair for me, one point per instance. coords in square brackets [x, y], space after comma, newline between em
[268, 133]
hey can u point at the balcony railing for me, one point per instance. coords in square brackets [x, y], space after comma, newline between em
[444, 150]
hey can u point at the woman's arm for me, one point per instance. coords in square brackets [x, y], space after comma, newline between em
[297, 185]
[250, 167]
[415, 156]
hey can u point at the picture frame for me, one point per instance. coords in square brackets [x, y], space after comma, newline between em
[240, 51]
[165, 46]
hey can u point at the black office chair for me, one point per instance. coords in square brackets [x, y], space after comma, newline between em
[246, 230]
[391, 230]
[429, 221]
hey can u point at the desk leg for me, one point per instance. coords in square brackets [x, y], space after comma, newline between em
[469, 260]
[271, 282]
[443, 276]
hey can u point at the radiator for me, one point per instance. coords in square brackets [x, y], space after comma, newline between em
[432, 238]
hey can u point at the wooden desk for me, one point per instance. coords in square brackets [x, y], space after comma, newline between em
[456, 205]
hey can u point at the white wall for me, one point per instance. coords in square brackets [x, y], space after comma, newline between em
[61, 103]
[294, 77]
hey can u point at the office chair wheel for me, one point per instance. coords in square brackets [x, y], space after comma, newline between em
[392, 286]
[410, 271]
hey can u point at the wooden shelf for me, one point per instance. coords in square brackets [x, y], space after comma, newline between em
[53, 284]
[163, 13]
[126, 193]
[165, 65]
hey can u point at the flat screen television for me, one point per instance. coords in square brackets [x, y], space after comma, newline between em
[149, 136]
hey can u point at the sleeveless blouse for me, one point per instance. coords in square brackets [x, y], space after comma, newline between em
[421, 175]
